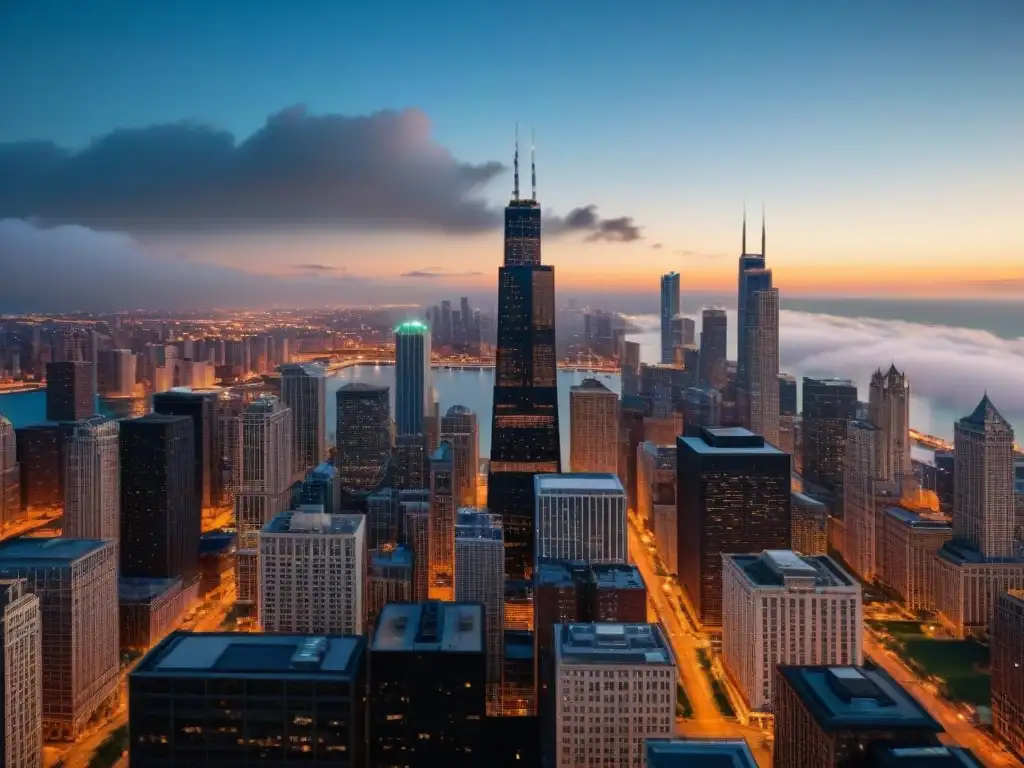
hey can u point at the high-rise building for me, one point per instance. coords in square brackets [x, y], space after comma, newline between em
[860, 479]
[829, 405]
[459, 427]
[656, 499]
[480, 578]
[299, 699]
[427, 692]
[322, 486]
[363, 435]
[714, 329]
[684, 331]
[412, 462]
[629, 364]
[264, 489]
[525, 427]
[702, 407]
[10, 474]
[21, 700]
[40, 454]
[780, 608]
[825, 715]
[313, 573]
[582, 517]
[389, 580]
[733, 496]
[384, 526]
[669, 309]
[304, 391]
[680, 753]
[762, 391]
[808, 524]
[443, 503]
[413, 380]
[1007, 643]
[905, 554]
[594, 425]
[76, 583]
[415, 514]
[70, 391]
[161, 520]
[889, 410]
[201, 407]
[115, 372]
[751, 279]
[787, 395]
[592, 727]
[92, 488]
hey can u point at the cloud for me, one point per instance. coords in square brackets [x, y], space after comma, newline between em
[438, 272]
[699, 254]
[657, 247]
[298, 169]
[585, 219]
[314, 268]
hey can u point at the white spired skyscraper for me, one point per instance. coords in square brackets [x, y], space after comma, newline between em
[304, 390]
[669, 309]
[594, 424]
[413, 382]
[889, 410]
[581, 516]
[92, 486]
[480, 578]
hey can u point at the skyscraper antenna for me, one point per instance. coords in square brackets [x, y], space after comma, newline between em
[515, 165]
[744, 251]
[533, 166]
[762, 230]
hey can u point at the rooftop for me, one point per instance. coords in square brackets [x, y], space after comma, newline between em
[518, 644]
[411, 326]
[250, 654]
[925, 757]
[773, 567]
[962, 552]
[856, 697]
[985, 415]
[358, 386]
[806, 501]
[306, 369]
[48, 552]
[477, 524]
[430, 626]
[305, 520]
[579, 482]
[591, 386]
[916, 520]
[325, 469]
[829, 382]
[559, 573]
[707, 753]
[617, 576]
[728, 440]
[215, 541]
[137, 589]
[399, 556]
[611, 644]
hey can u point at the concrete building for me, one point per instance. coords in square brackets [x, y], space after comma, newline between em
[809, 525]
[312, 568]
[480, 578]
[10, 474]
[763, 378]
[714, 330]
[594, 422]
[907, 545]
[632, 661]
[733, 496]
[92, 479]
[427, 693]
[413, 378]
[690, 753]
[702, 407]
[656, 499]
[443, 489]
[150, 609]
[70, 390]
[829, 405]
[322, 487]
[280, 688]
[207, 449]
[1007, 648]
[780, 608]
[40, 454]
[581, 517]
[264, 490]
[389, 580]
[304, 392]
[889, 410]
[416, 516]
[76, 583]
[825, 714]
[362, 438]
[459, 427]
[21, 700]
[412, 462]
[669, 309]
[860, 480]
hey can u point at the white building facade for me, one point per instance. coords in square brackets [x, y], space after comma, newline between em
[92, 485]
[581, 516]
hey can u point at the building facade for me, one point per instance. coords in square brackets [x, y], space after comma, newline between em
[594, 420]
[92, 479]
[304, 391]
[829, 405]
[656, 499]
[908, 543]
[889, 410]
[781, 608]
[201, 407]
[1007, 642]
[669, 309]
[416, 517]
[312, 567]
[70, 390]
[860, 479]
[10, 474]
[714, 335]
[809, 525]
[443, 503]
[389, 580]
[581, 517]
[21, 701]
[763, 381]
[413, 379]
[459, 428]
[362, 435]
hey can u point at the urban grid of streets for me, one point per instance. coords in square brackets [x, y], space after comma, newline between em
[708, 722]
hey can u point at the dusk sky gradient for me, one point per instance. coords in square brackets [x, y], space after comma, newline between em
[884, 137]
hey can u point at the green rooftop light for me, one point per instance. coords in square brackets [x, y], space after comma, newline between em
[411, 325]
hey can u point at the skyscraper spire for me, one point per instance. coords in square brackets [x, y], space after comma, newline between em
[762, 230]
[744, 230]
[515, 165]
[533, 166]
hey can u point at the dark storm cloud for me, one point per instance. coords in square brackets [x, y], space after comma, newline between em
[585, 220]
[438, 272]
[382, 169]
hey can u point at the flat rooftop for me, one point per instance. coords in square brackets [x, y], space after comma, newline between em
[137, 589]
[46, 552]
[617, 576]
[430, 626]
[772, 567]
[611, 644]
[518, 644]
[925, 757]
[707, 753]
[397, 557]
[916, 520]
[252, 654]
[806, 501]
[960, 552]
[856, 697]
[301, 522]
[558, 573]
[728, 441]
[579, 482]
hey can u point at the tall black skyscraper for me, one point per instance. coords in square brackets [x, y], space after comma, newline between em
[161, 519]
[748, 262]
[524, 432]
[714, 334]
[70, 392]
[201, 407]
[362, 435]
[829, 405]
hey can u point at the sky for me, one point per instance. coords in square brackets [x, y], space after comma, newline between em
[362, 150]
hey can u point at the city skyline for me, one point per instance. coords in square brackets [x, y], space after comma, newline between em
[635, 192]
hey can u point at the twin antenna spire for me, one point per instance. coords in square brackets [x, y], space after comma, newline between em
[763, 232]
[533, 167]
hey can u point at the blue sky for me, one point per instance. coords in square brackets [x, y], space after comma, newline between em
[875, 130]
